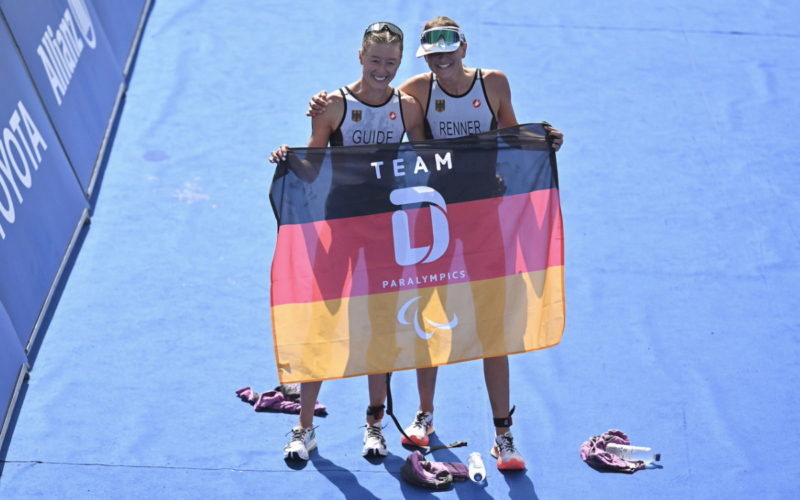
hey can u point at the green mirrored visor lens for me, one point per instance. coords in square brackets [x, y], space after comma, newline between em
[376, 27]
[448, 36]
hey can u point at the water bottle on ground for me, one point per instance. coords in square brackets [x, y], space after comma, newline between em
[633, 453]
[477, 472]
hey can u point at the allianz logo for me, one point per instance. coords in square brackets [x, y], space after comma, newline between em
[20, 141]
[406, 255]
[61, 49]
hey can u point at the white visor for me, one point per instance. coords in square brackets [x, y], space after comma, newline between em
[440, 39]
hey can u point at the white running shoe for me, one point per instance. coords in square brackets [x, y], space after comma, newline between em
[419, 430]
[508, 458]
[374, 442]
[302, 443]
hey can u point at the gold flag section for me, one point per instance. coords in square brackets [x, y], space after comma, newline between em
[419, 328]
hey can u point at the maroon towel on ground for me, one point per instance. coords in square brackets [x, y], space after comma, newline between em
[275, 401]
[433, 475]
[458, 470]
[594, 453]
[248, 395]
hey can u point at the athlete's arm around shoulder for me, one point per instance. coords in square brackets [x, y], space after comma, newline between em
[413, 120]
[499, 92]
[418, 87]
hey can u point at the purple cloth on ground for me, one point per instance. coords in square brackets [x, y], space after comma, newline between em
[458, 470]
[418, 472]
[291, 392]
[247, 394]
[276, 401]
[433, 475]
[594, 453]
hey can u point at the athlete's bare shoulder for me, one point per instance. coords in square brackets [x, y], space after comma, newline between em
[499, 93]
[336, 106]
[335, 98]
[417, 85]
[408, 99]
[412, 117]
[411, 108]
[333, 116]
[496, 84]
[494, 78]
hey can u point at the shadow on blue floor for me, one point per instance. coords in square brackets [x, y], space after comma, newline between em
[344, 480]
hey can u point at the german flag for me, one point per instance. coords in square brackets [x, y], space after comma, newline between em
[418, 254]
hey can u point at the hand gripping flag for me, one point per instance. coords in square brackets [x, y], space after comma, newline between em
[412, 255]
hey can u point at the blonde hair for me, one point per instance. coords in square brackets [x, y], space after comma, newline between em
[384, 36]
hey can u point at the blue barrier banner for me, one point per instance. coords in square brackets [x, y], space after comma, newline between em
[120, 21]
[12, 359]
[41, 202]
[71, 62]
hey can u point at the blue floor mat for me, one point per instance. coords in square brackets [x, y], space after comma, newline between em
[679, 188]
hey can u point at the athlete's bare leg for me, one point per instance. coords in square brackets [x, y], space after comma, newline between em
[495, 372]
[377, 393]
[308, 400]
[426, 384]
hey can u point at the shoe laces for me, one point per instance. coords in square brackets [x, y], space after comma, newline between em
[421, 420]
[299, 434]
[507, 444]
[375, 431]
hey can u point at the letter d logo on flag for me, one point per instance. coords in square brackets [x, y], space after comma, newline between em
[403, 253]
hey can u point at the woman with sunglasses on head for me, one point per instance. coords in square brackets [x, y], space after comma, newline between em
[368, 111]
[459, 101]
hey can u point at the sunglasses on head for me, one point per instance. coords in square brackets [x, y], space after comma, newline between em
[384, 26]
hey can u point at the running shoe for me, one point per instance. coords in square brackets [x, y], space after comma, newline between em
[508, 458]
[374, 442]
[302, 443]
[419, 430]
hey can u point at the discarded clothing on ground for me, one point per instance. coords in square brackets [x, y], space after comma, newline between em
[248, 395]
[291, 392]
[594, 453]
[284, 399]
[433, 475]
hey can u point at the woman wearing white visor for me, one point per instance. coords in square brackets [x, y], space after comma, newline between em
[459, 101]
[368, 111]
